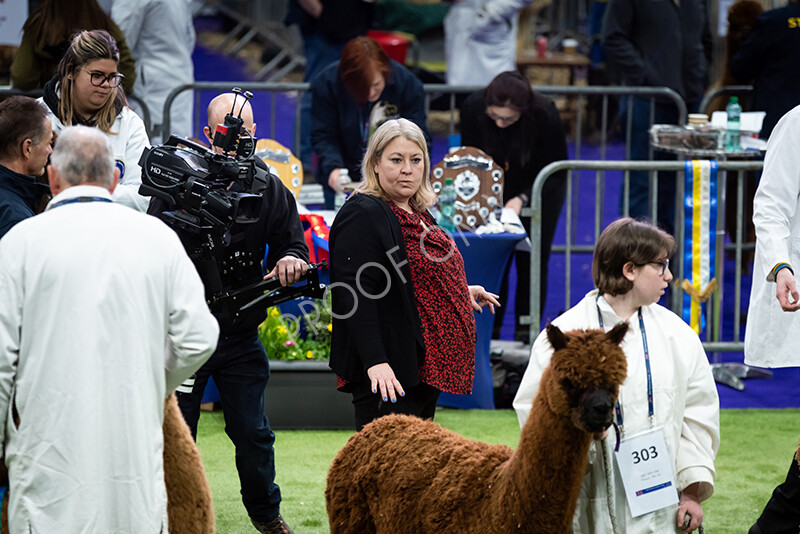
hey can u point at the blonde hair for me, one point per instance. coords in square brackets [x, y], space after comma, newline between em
[87, 46]
[387, 132]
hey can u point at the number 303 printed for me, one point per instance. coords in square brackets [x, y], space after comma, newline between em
[645, 454]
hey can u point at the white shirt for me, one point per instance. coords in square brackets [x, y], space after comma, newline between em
[771, 336]
[685, 404]
[102, 314]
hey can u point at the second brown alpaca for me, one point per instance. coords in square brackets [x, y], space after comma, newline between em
[402, 474]
[189, 507]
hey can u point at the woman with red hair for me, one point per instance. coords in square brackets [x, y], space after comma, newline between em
[350, 99]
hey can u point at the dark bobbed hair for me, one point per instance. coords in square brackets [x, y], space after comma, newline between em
[513, 90]
[627, 240]
[21, 118]
[87, 46]
[360, 60]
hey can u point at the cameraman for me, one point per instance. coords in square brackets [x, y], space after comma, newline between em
[239, 366]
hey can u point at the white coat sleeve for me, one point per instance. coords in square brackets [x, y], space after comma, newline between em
[129, 16]
[776, 199]
[529, 386]
[127, 191]
[699, 441]
[498, 10]
[10, 328]
[192, 330]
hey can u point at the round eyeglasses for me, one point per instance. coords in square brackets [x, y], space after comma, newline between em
[99, 78]
[663, 264]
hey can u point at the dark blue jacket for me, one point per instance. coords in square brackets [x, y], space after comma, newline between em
[336, 117]
[770, 57]
[19, 198]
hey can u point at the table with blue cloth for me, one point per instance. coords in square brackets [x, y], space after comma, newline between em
[485, 258]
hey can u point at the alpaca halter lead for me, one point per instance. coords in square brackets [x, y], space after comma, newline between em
[650, 407]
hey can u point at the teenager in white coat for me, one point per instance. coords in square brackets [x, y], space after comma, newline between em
[666, 363]
[480, 40]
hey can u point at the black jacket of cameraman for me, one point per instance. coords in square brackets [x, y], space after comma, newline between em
[240, 264]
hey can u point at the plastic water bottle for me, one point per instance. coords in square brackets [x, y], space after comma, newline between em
[447, 205]
[341, 196]
[732, 136]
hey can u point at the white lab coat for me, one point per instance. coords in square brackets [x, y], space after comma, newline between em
[128, 141]
[481, 40]
[91, 293]
[161, 37]
[770, 339]
[685, 402]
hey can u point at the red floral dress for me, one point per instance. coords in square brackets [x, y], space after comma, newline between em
[443, 302]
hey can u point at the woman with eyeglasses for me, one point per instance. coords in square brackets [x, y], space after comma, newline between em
[522, 131]
[659, 463]
[87, 90]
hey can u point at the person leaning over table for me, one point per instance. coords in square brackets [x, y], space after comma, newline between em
[350, 99]
[403, 324]
[770, 339]
[87, 90]
[522, 131]
[669, 392]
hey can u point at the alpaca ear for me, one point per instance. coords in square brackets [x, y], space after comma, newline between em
[557, 338]
[617, 334]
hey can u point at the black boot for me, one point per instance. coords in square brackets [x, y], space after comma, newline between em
[782, 513]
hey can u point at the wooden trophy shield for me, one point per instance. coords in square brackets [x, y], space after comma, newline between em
[282, 163]
[478, 181]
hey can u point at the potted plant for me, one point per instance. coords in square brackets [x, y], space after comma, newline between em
[302, 390]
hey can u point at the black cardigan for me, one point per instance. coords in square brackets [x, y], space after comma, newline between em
[368, 330]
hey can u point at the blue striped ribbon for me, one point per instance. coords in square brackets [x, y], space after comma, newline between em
[700, 210]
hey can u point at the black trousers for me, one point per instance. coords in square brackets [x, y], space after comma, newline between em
[782, 513]
[419, 400]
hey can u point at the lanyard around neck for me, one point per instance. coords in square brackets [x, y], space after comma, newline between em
[79, 199]
[650, 407]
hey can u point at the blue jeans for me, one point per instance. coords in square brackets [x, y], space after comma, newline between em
[640, 150]
[319, 54]
[241, 370]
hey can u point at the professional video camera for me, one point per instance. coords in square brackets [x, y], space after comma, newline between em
[197, 180]
[208, 191]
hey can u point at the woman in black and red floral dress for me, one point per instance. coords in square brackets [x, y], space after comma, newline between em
[403, 324]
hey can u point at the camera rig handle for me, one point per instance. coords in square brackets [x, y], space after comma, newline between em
[270, 292]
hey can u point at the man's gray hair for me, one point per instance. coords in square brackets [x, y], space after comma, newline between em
[84, 155]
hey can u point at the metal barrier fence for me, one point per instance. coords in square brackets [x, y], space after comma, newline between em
[716, 340]
[579, 94]
[727, 90]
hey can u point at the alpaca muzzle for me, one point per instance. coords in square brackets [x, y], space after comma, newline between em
[598, 410]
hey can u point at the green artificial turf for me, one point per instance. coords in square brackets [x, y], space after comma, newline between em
[754, 455]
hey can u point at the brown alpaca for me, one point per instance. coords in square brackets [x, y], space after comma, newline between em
[189, 507]
[402, 474]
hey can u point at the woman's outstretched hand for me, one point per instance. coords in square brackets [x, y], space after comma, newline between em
[479, 298]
